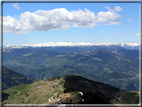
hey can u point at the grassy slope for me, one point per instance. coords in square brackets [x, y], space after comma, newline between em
[35, 95]
[130, 97]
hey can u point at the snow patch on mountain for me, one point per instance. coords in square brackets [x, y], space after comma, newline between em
[57, 44]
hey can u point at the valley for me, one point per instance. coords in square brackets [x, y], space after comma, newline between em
[110, 66]
[41, 76]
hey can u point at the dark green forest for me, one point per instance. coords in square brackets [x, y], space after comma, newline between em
[77, 83]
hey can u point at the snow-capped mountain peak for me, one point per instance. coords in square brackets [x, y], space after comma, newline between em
[58, 44]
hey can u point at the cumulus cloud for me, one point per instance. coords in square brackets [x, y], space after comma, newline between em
[109, 16]
[57, 19]
[118, 9]
[103, 17]
[113, 23]
[107, 7]
[16, 6]
[129, 20]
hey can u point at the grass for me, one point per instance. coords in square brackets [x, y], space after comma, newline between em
[38, 95]
[128, 98]
[28, 54]
[97, 59]
[127, 60]
[60, 92]
[62, 83]
[118, 58]
[107, 70]
[17, 100]
[61, 55]
[12, 95]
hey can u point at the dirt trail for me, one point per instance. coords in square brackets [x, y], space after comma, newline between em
[18, 94]
[55, 94]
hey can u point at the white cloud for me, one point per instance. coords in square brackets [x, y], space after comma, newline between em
[107, 7]
[118, 9]
[16, 6]
[138, 34]
[113, 23]
[129, 20]
[57, 19]
[103, 17]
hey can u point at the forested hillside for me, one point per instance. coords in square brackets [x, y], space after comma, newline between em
[114, 67]
[11, 78]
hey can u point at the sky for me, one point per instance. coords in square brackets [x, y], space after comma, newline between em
[37, 23]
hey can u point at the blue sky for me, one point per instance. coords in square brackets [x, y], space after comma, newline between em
[32, 23]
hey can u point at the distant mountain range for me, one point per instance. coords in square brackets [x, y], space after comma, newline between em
[131, 46]
[113, 65]
[101, 72]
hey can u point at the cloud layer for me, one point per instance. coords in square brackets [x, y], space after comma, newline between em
[59, 19]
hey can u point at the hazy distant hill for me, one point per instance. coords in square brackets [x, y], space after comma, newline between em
[130, 54]
[26, 56]
[71, 49]
[71, 70]
[11, 78]
[114, 67]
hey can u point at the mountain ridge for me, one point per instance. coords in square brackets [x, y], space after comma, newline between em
[57, 90]
[105, 64]
[11, 78]
[133, 45]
